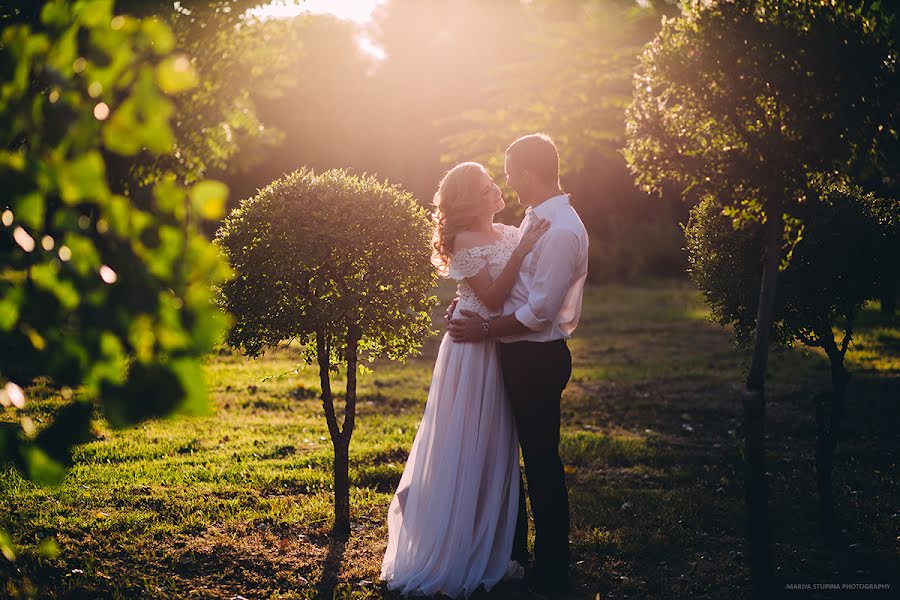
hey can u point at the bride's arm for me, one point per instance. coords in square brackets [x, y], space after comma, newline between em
[493, 292]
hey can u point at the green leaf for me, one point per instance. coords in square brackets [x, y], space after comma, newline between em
[120, 131]
[209, 328]
[169, 197]
[85, 257]
[141, 337]
[48, 548]
[29, 209]
[56, 14]
[63, 52]
[83, 179]
[176, 74]
[195, 401]
[153, 110]
[12, 160]
[112, 364]
[208, 198]
[46, 276]
[116, 214]
[158, 35]
[6, 546]
[42, 469]
[10, 305]
[94, 13]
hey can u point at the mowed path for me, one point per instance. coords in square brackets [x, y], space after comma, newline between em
[239, 503]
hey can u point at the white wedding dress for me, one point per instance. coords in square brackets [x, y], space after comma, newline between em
[452, 519]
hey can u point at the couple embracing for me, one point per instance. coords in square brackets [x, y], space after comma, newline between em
[458, 520]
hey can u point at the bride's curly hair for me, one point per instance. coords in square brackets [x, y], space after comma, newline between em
[457, 204]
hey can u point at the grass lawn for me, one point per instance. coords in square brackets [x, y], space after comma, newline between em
[239, 503]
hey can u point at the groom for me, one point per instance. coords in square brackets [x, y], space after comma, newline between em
[539, 315]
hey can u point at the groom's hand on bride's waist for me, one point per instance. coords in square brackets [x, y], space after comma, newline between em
[469, 327]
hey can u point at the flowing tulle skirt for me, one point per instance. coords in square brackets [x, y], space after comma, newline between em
[452, 519]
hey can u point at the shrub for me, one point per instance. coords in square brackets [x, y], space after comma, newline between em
[339, 263]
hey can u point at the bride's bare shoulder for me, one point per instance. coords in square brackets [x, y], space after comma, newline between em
[468, 239]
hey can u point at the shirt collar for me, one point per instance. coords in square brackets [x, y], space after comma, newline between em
[548, 206]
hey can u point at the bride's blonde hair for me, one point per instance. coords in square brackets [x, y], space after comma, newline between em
[457, 204]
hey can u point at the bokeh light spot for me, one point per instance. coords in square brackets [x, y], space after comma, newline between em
[101, 111]
[108, 275]
[23, 239]
[15, 394]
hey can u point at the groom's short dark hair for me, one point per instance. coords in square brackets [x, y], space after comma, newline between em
[536, 153]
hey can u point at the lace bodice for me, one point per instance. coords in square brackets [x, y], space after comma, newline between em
[469, 261]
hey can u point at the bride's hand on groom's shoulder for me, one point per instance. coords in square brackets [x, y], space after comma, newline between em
[531, 236]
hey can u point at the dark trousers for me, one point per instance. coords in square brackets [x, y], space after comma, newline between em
[535, 374]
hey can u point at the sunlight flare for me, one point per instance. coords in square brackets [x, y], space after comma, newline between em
[358, 11]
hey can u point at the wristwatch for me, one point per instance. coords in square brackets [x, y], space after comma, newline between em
[486, 328]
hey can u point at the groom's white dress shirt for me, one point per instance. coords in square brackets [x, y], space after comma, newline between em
[546, 297]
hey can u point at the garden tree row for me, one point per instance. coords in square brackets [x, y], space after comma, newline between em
[107, 295]
[340, 264]
[742, 102]
[848, 248]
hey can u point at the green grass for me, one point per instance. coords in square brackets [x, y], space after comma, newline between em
[239, 503]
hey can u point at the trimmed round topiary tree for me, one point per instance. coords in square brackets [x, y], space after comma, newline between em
[846, 249]
[339, 263]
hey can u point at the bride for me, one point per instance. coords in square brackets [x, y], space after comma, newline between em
[452, 520]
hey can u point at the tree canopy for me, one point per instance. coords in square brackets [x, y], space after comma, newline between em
[848, 245]
[744, 99]
[314, 252]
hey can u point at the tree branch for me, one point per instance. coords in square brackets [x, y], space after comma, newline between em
[324, 359]
[848, 334]
[353, 336]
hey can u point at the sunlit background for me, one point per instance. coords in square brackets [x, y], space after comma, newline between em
[356, 11]
[359, 11]
[403, 88]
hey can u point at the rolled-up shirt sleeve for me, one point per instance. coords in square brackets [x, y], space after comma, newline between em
[553, 274]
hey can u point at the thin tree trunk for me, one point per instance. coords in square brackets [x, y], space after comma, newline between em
[322, 356]
[341, 487]
[353, 336]
[828, 429]
[342, 444]
[340, 440]
[757, 493]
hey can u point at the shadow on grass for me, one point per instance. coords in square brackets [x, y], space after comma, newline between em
[654, 446]
[331, 568]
